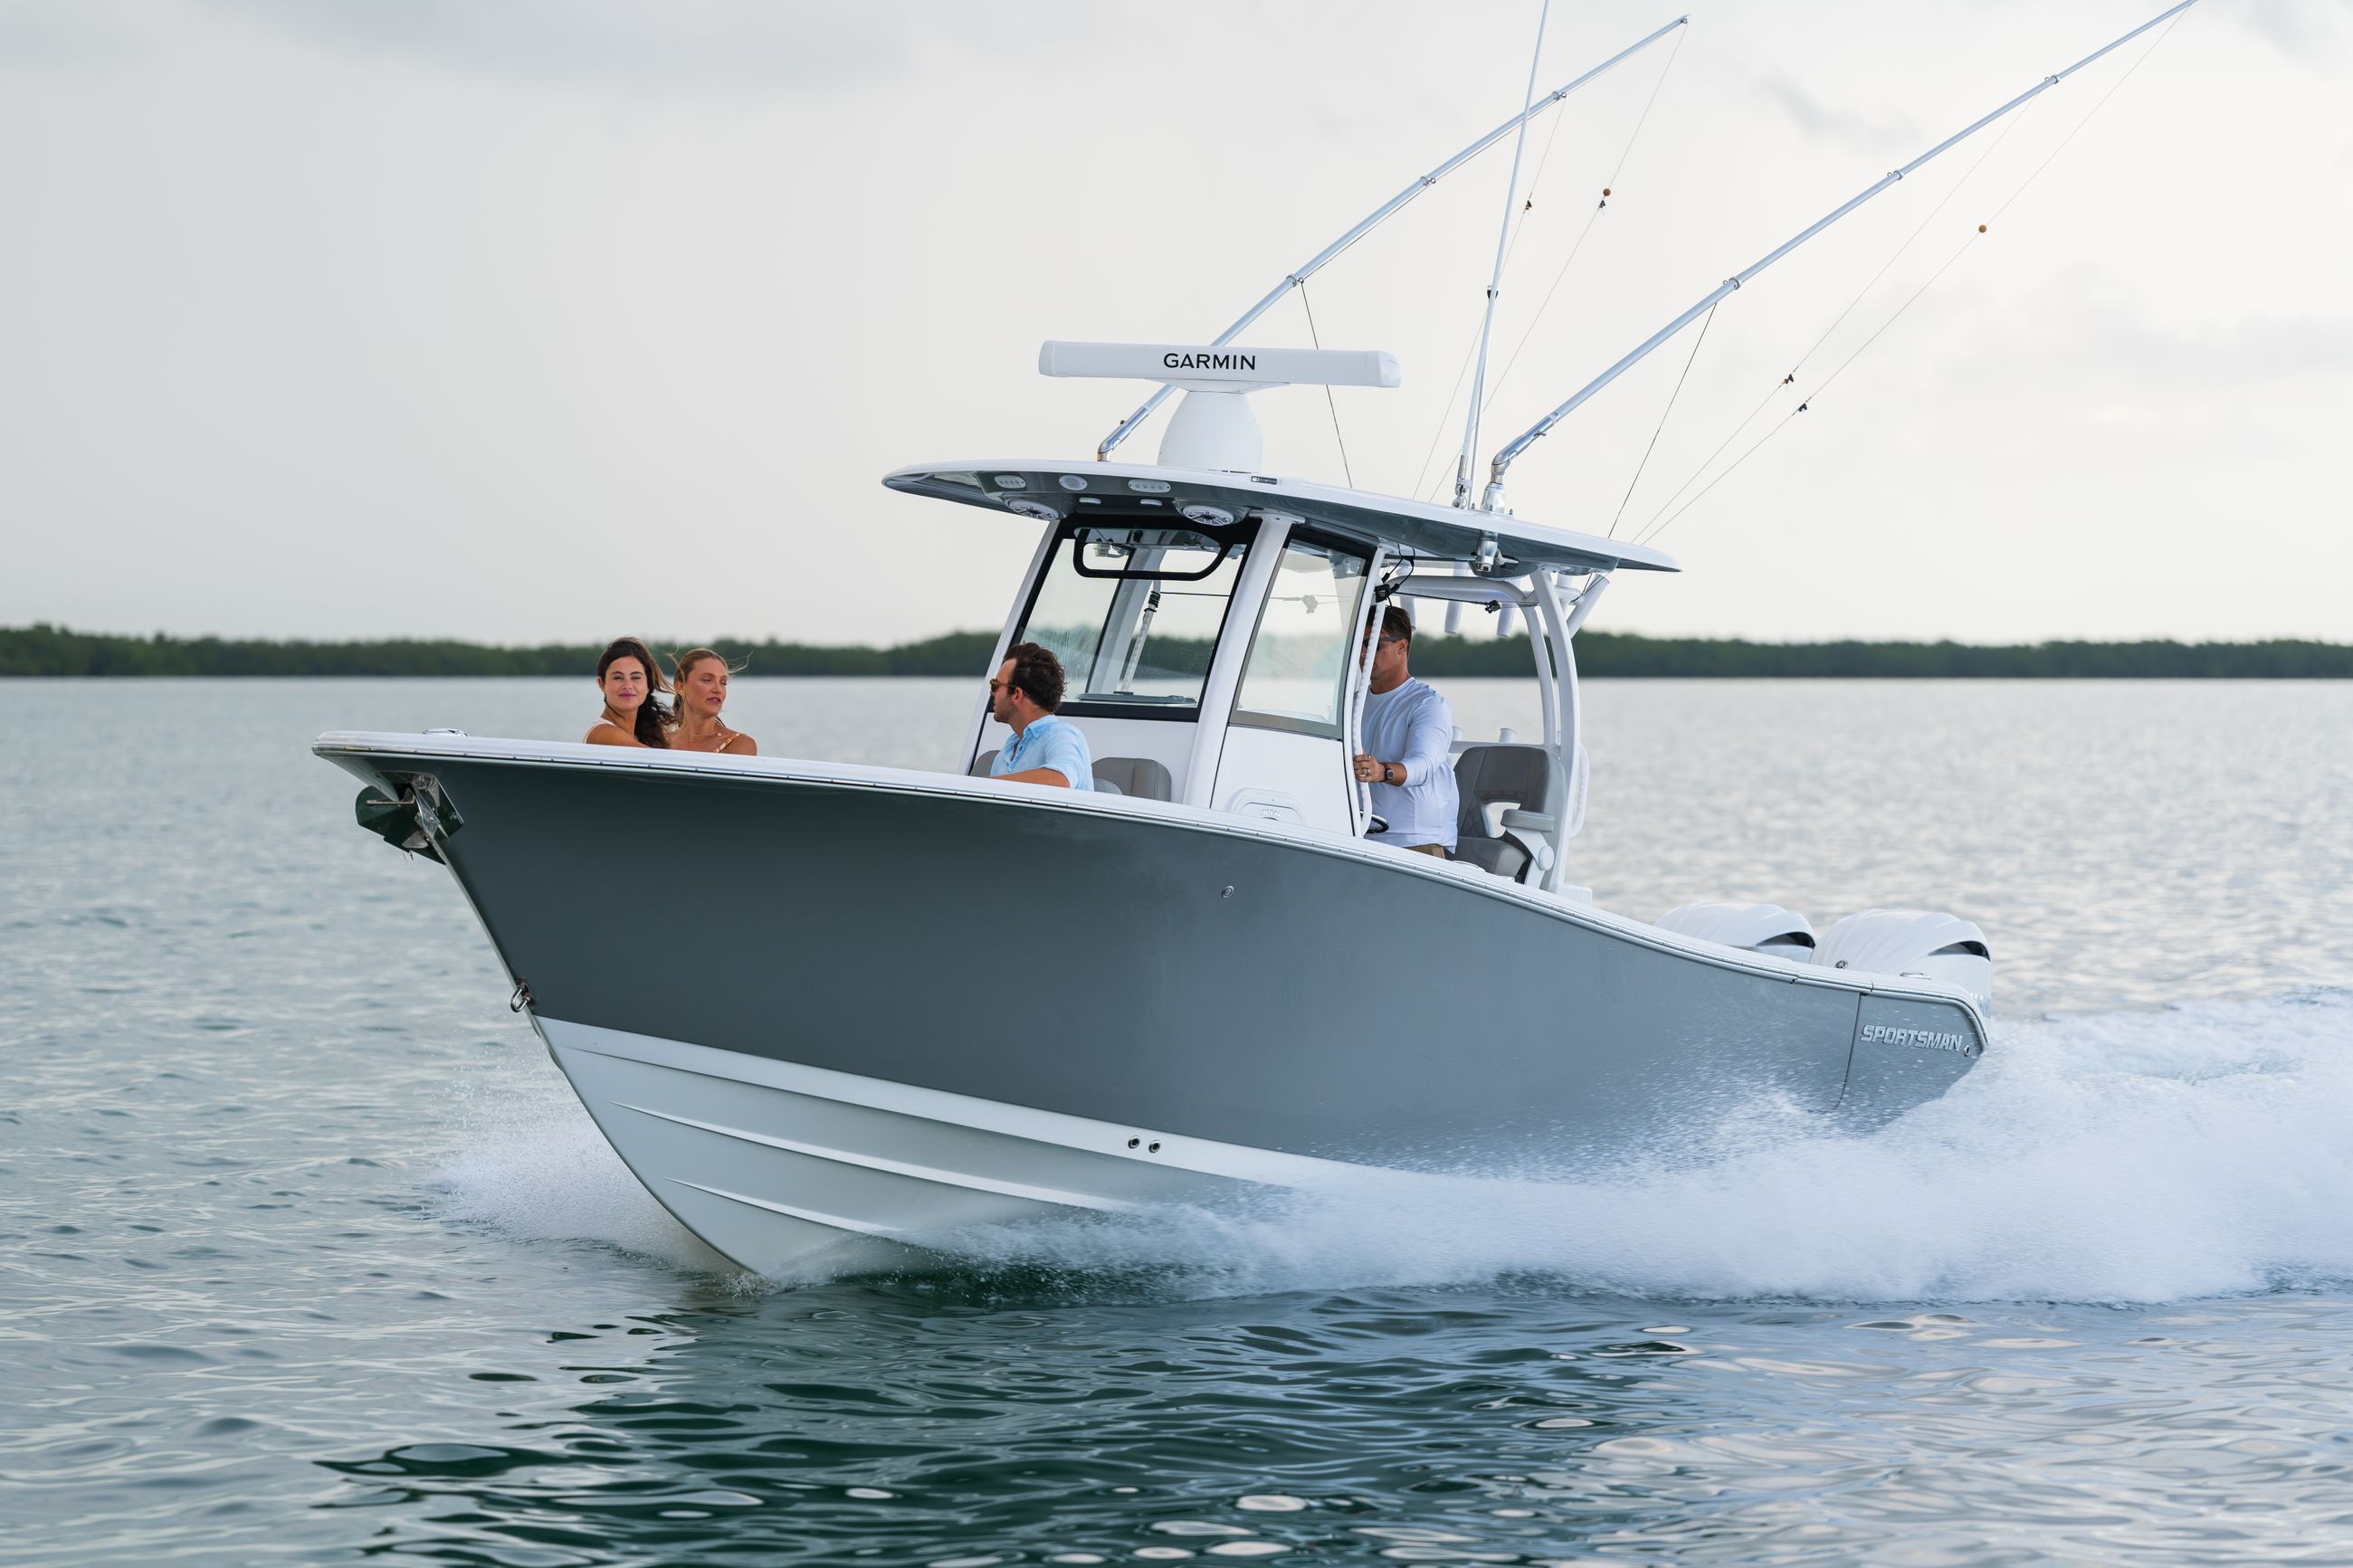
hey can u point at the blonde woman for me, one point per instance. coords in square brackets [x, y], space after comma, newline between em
[701, 691]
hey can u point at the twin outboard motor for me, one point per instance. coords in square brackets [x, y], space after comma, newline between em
[1913, 945]
[1760, 928]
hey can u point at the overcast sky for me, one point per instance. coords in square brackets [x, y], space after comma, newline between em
[535, 321]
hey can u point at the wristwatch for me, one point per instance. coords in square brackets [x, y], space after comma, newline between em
[1385, 771]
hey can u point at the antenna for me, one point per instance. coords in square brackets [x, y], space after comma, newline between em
[1495, 280]
[1214, 427]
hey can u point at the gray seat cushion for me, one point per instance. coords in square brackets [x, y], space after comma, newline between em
[1139, 776]
[1496, 857]
[1521, 776]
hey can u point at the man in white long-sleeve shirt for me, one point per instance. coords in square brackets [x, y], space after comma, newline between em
[1409, 732]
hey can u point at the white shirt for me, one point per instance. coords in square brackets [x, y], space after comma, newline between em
[1410, 724]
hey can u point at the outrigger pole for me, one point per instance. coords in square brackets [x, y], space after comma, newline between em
[1495, 282]
[1502, 460]
[1381, 214]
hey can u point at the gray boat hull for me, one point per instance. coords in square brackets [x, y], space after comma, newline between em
[1208, 998]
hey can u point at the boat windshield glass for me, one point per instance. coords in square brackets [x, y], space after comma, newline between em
[1294, 680]
[1134, 614]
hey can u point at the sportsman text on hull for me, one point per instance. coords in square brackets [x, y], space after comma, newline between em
[1905, 1053]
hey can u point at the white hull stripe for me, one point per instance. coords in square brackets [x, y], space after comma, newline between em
[833, 1221]
[1202, 1156]
[895, 1167]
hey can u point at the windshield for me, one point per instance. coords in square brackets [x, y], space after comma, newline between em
[1134, 614]
[1297, 674]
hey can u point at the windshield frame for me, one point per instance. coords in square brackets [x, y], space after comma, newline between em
[1078, 526]
[1079, 704]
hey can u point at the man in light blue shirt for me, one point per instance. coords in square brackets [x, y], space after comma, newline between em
[1408, 736]
[1044, 750]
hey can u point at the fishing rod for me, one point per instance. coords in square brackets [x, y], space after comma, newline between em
[1493, 499]
[1381, 214]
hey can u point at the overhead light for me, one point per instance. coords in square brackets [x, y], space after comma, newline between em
[1011, 482]
[1073, 481]
[1148, 487]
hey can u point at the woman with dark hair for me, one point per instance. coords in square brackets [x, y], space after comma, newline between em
[699, 688]
[627, 676]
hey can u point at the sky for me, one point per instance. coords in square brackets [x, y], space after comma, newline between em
[547, 320]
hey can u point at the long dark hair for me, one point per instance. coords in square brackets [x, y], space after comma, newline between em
[652, 729]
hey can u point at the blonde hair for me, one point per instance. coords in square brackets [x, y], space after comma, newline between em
[682, 663]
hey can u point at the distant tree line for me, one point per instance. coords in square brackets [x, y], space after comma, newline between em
[43, 649]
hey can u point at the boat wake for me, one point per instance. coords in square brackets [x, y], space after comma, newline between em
[2128, 1157]
[527, 1163]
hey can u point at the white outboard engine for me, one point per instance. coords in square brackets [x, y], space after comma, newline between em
[1914, 944]
[1760, 928]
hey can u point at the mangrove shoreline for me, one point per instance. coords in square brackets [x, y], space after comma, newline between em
[46, 650]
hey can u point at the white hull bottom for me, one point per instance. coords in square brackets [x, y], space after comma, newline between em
[785, 1168]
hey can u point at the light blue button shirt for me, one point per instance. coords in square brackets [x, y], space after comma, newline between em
[1050, 742]
[1412, 724]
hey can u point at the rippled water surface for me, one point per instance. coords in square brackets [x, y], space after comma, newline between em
[306, 1254]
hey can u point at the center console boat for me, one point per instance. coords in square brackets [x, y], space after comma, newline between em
[953, 1000]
